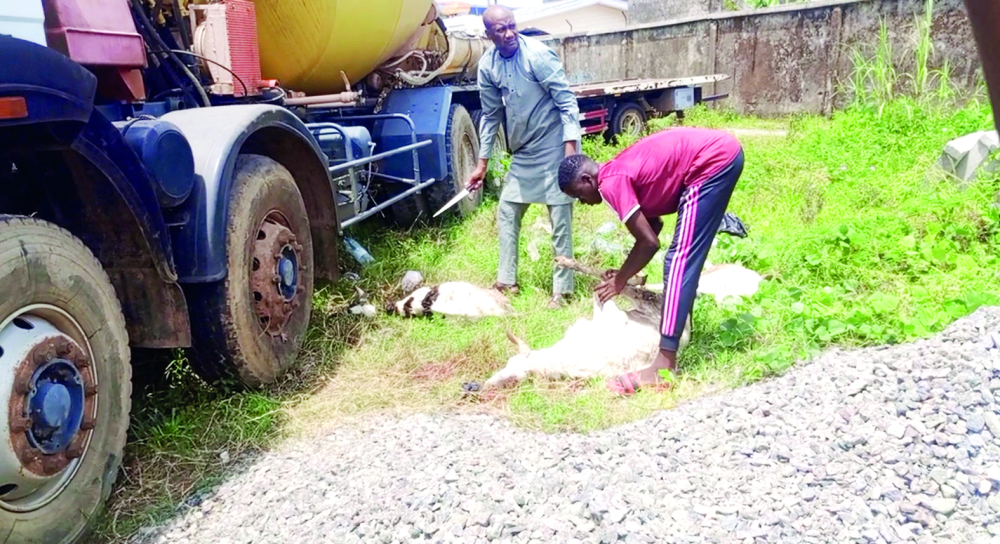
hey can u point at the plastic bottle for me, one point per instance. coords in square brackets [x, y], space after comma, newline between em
[359, 253]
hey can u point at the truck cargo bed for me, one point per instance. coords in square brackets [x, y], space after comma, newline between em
[614, 88]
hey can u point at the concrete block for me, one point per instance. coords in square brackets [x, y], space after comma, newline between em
[963, 157]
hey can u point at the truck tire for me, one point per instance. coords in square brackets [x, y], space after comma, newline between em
[250, 326]
[63, 345]
[499, 142]
[629, 119]
[462, 151]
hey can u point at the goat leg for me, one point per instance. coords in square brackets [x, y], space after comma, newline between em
[648, 304]
[572, 264]
[633, 289]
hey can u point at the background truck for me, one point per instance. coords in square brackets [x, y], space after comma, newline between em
[178, 174]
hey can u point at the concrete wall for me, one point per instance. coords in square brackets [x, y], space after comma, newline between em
[649, 11]
[781, 60]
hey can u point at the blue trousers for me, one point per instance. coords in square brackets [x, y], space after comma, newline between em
[699, 215]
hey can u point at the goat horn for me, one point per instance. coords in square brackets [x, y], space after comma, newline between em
[522, 346]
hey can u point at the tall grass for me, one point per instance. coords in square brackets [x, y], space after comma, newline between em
[923, 50]
[875, 81]
[758, 4]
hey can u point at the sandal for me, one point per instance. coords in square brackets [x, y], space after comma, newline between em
[628, 384]
[507, 289]
[558, 301]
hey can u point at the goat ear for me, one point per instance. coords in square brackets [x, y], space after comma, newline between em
[522, 346]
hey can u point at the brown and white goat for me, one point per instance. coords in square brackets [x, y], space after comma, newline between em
[452, 298]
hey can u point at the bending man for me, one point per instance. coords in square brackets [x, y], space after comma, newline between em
[690, 171]
[522, 82]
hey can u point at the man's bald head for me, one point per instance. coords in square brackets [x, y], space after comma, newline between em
[496, 14]
[501, 29]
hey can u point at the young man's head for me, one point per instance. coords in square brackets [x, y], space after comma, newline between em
[578, 179]
[501, 29]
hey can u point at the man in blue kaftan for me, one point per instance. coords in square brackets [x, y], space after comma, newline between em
[523, 85]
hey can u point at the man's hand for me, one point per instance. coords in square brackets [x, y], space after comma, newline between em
[646, 245]
[477, 176]
[609, 288]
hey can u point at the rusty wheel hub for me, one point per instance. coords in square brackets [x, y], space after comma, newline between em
[48, 382]
[51, 410]
[274, 274]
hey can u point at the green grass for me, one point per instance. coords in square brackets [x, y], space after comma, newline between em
[180, 437]
[864, 240]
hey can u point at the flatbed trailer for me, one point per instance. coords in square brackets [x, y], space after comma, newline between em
[623, 106]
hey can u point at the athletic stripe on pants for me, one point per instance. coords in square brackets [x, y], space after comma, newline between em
[699, 215]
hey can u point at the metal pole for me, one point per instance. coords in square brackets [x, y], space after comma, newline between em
[386, 204]
[379, 156]
[388, 116]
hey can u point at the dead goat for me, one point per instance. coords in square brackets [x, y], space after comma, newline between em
[609, 343]
[362, 306]
[613, 341]
[452, 298]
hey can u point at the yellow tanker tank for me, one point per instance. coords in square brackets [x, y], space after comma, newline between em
[305, 44]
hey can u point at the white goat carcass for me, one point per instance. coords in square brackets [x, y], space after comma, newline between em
[609, 343]
[613, 342]
[454, 298]
[724, 281]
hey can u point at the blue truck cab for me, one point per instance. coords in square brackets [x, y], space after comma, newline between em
[190, 220]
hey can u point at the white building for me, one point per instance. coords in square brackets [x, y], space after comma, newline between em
[573, 17]
[553, 18]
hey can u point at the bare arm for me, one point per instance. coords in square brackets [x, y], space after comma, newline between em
[656, 223]
[646, 245]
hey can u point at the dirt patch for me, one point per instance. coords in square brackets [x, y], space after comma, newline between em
[439, 372]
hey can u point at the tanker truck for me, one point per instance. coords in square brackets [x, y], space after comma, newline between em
[178, 174]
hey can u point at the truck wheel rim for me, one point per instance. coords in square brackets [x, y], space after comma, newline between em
[631, 123]
[50, 385]
[466, 164]
[467, 156]
[275, 270]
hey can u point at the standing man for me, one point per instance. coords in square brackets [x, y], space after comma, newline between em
[688, 171]
[522, 82]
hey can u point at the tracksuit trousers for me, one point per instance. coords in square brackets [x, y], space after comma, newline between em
[699, 215]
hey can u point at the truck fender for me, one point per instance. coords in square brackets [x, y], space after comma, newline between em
[217, 136]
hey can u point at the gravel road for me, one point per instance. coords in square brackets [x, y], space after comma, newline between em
[877, 445]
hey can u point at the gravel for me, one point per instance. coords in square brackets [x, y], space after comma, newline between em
[884, 444]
